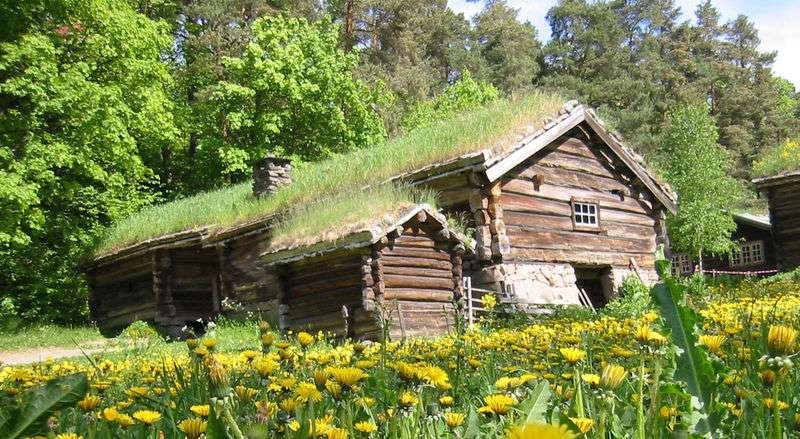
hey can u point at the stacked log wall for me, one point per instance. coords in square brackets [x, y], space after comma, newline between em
[122, 292]
[784, 207]
[317, 288]
[420, 276]
[194, 284]
[537, 212]
[246, 281]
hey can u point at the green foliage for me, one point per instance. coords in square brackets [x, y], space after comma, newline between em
[291, 93]
[21, 336]
[633, 300]
[83, 104]
[465, 94]
[784, 157]
[28, 416]
[700, 171]
[509, 52]
[463, 133]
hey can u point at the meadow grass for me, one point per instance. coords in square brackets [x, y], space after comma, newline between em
[46, 335]
[493, 127]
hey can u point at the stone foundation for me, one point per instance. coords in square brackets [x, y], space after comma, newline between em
[549, 283]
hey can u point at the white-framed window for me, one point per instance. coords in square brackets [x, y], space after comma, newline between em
[585, 214]
[682, 264]
[749, 253]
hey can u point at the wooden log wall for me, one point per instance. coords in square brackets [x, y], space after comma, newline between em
[418, 274]
[784, 209]
[317, 288]
[536, 196]
[245, 280]
[193, 284]
[122, 292]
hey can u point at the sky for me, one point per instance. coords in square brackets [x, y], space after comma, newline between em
[778, 23]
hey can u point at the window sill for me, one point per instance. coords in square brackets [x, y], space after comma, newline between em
[589, 229]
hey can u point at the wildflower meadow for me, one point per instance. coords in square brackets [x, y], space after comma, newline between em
[719, 364]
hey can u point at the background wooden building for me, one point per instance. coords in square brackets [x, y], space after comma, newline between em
[783, 195]
[756, 253]
[406, 273]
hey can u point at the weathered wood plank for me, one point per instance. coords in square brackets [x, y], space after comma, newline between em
[401, 281]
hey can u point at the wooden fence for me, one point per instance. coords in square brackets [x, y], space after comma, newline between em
[475, 304]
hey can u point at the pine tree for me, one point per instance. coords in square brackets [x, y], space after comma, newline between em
[509, 50]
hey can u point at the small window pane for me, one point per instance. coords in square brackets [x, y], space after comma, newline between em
[585, 214]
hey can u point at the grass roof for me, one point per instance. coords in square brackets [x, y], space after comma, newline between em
[494, 127]
[333, 218]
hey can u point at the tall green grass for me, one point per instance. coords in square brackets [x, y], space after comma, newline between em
[493, 127]
[333, 218]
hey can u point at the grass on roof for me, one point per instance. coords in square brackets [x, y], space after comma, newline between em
[496, 126]
[333, 218]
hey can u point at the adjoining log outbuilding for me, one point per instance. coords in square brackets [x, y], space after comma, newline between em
[783, 195]
[405, 272]
[170, 280]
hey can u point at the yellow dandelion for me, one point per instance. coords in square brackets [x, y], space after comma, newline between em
[781, 340]
[408, 399]
[612, 376]
[583, 424]
[307, 392]
[123, 420]
[348, 376]
[540, 431]
[89, 402]
[193, 427]
[336, 433]
[712, 342]
[365, 427]
[498, 404]
[148, 417]
[572, 355]
[200, 410]
[446, 401]
[591, 379]
[305, 339]
[453, 419]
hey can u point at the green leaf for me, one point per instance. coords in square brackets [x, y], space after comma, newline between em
[38, 403]
[693, 365]
[473, 424]
[216, 427]
[535, 406]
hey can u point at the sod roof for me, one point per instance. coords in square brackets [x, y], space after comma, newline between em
[493, 137]
[494, 127]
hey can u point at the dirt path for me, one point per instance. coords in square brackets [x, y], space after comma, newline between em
[41, 354]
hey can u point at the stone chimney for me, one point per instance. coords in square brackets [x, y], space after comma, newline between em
[271, 173]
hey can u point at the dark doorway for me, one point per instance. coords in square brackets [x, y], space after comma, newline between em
[595, 283]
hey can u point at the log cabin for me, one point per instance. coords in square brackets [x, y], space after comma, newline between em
[405, 273]
[756, 255]
[561, 210]
[783, 195]
[567, 211]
